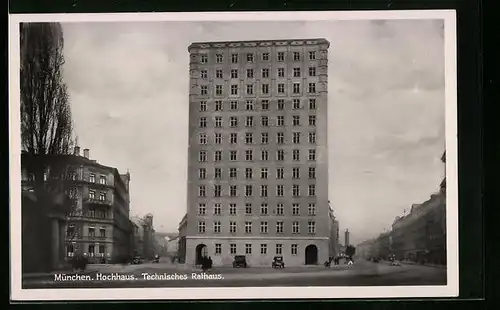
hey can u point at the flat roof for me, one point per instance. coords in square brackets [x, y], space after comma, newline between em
[288, 41]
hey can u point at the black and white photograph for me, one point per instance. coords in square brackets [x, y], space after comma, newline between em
[241, 155]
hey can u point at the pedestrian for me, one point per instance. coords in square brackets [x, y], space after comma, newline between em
[210, 262]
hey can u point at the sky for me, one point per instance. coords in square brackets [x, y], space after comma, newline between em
[128, 87]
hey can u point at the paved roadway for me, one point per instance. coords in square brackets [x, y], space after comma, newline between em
[362, 273]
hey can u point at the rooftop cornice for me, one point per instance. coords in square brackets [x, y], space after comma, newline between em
[256, 43]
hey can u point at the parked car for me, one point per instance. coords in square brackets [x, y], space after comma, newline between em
[278, 262]
[395, 263]
[240, 261]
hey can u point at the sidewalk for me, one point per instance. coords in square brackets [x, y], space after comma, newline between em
[423, 265]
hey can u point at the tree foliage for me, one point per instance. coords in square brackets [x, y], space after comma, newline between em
[350, 250]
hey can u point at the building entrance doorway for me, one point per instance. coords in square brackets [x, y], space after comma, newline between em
[311, 255]
[201, 251]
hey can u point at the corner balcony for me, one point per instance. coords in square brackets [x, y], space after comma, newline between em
[97, 201]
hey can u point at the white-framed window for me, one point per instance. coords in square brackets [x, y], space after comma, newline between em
[264, 105]
[263, 191]
[234, 89]
[312, 55]
[312, 190]
[296, 190]
[233, 121]
[249, 121]
[248, 155]
[232, 249]
[102, 196]
[265, 88]
[219, 58]
[263, 227]
[264, 155]
[295, 173]
[296, 137]
[248, 227]
[204, 58]
[248, 209]
[233, 138]
[233, 155]
[248, 190]
[296, 104]
[202, 191]
[202, 209]
[312, 120]
[217, 209]
[312, 173]
[102, 179]
[248, 138]
[218, 138]
[204, 90]
[91, 194]
[249, 57]
[280, 155]
[203, 106]
[295, 209]
[203, 122]
[281, 120]
[296, 88]
[234, 73]
[264, 121]
[264, 209]
[280, 190]
[311, 209]
[201, 227]
[264, 138]
[233, 190]
[281, 88]
[218, 156]
[218, 90]
[312, 71]
[296, 120]
[248, 173]
[232, 227]
[234, 58]
[280, 172]
[296, 155]
[295, 227]
[312, 137]
[281, 105]
[248, 248]
[264, 173]
[217, 227]
[250, 73]
[263, 249]
[265, 56]
[279, 227]
[312, 154]
[218, 122]
[249, 105]
[219, 105]
[217, 173]
[91, 178]
[311, 227]
[265, 73]
[280, 138]
[203, 138]
[202, 156]
[219, 74]
[312, 88]
[312, 104]
[279, 249]
[233, 174]
[279, 209]
[296, 56]
[296, 72]
[281, 72]
[281, 56]
[218, 249]
[232, 209]
[217, 190]
[294, 249]
[204, 74]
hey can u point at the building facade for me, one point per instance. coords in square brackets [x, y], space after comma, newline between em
[258, 156]
[334, 242]
[97, 225]
[145, 238]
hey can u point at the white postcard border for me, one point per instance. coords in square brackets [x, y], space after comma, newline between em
[449, 290]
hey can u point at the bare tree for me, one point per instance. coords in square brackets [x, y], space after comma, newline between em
[46, 121]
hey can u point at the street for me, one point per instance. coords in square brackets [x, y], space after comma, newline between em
[163, 274]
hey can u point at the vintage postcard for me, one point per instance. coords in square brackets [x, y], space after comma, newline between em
[233, 155]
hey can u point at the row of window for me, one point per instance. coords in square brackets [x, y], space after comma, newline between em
[249, 155]
[264, 73]
[218, 121]
[311, 227]
[264, 138]
[264, 209]
[250, 89]
[250, 57]
[72, 176]
[92, 195]
[91, 250]
[250, 106]
[249, 173]
[248, 190]
[91, 231]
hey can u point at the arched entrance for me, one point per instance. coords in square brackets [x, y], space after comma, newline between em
[311, 255]
[201, 251]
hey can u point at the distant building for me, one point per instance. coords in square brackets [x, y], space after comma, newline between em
[334, 249]
[97, 225]
[181, 249]
[146, 244]
[346, 238]
[258, 163]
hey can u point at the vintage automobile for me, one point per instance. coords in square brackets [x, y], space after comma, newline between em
[240, 261]
[137, 260]
[278, 262]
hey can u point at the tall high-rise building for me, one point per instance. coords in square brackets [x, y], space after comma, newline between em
[346, 235]
[258, 156]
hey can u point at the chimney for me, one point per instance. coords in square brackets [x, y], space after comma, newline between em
[77, 151]
[86, 153]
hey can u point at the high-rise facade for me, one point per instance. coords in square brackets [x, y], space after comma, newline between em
[258, 156]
